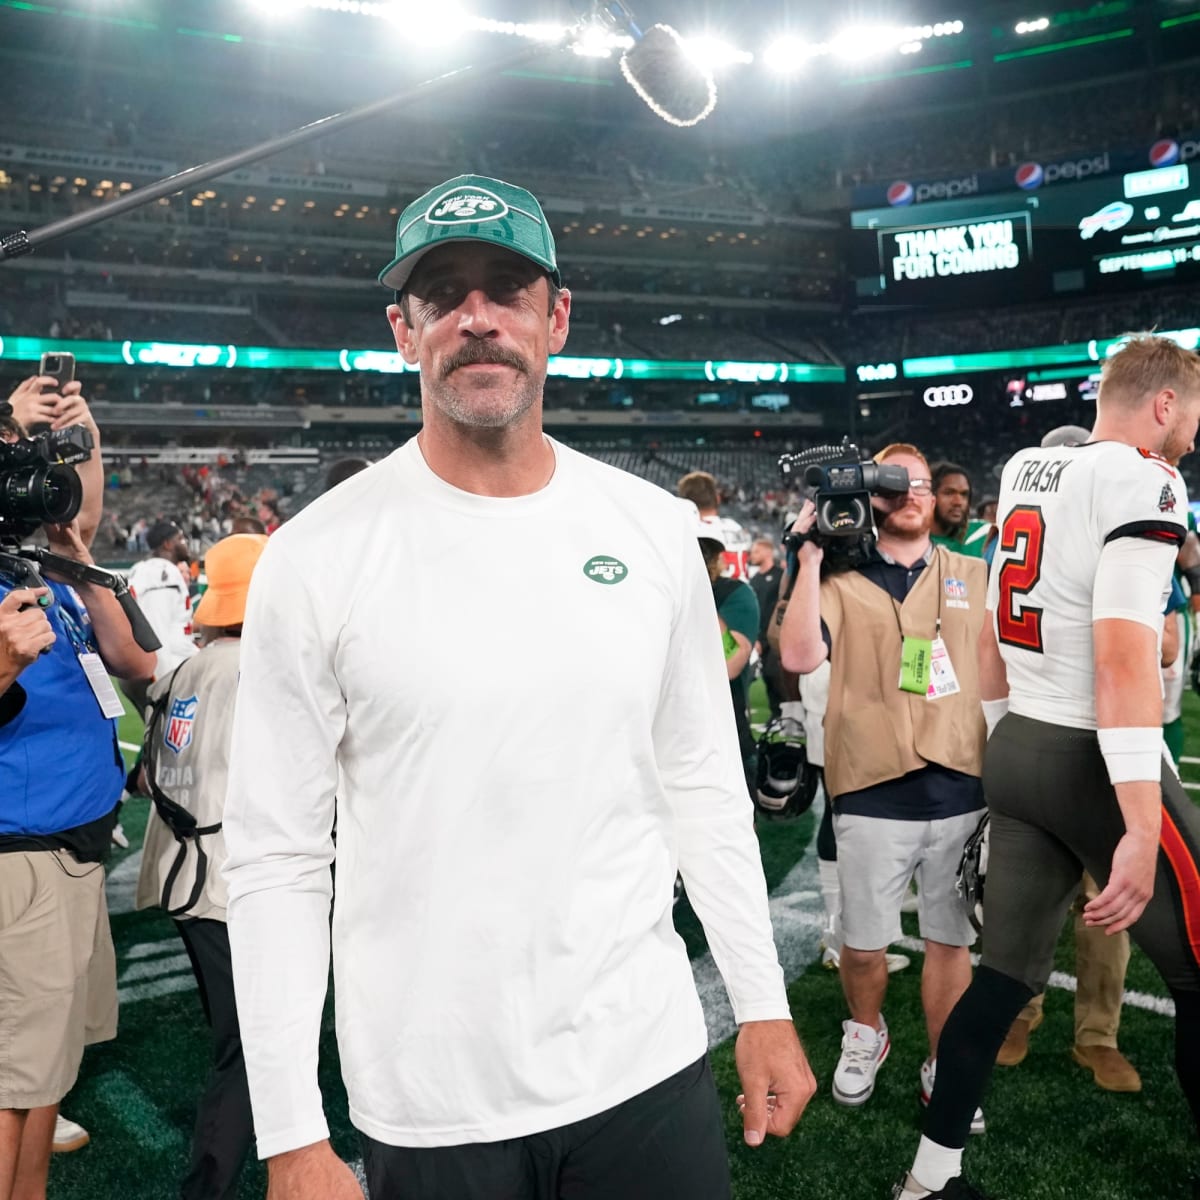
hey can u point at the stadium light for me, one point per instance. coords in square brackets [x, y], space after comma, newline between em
[713, 52]
[1032, 26]
[788, 55]
[597, 42]
[534, 32]
[422, 23]
[859, 42]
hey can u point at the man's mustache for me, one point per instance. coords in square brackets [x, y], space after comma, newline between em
[484, 352]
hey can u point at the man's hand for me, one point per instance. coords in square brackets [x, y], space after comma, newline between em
[67, 541]
[311, 1173]
[1130, 884]
[23, 635]
[70, 408]
[777, 1081]
[32, 403]
[809, 552]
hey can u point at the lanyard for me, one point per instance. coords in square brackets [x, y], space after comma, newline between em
[937, 633]
[74, 631]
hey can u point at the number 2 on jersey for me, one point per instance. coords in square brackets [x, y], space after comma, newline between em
[1025, 530]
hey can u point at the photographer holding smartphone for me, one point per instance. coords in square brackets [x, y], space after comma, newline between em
[55, 401]
[61, 774]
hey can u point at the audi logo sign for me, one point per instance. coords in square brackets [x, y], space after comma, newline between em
[955, 393]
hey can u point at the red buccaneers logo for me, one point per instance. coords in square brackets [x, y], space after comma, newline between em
[1166, 499]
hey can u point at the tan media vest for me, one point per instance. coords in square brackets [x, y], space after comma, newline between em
[874, 731]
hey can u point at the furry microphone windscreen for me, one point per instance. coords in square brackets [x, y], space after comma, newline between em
[676, 88]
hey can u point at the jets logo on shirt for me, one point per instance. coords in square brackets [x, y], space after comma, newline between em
[180, 719]
[1166, 499]
[603, 569]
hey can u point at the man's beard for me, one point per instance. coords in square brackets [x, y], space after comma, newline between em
[888, 525]
[485, 408]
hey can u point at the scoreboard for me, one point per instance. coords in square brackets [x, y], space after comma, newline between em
[1012, 247]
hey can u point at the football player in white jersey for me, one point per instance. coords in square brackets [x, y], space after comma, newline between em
[1074, 775]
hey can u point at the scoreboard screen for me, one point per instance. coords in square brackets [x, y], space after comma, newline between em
[1097, 235]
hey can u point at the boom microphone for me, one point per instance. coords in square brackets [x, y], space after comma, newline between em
[658, 67]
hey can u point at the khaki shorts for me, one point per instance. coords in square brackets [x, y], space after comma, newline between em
[876, 859]
[58, 985]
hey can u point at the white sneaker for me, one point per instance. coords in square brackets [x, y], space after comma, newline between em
[897, 962]
[863, 1052]
[68, 1136]
[928, 1076]
[119, 838]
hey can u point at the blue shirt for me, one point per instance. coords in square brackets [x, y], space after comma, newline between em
[60, 762]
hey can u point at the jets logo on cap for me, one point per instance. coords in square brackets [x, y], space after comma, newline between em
[470, 204]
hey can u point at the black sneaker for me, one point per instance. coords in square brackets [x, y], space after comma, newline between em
[956, 1189]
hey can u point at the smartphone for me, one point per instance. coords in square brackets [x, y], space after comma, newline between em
[61, 365]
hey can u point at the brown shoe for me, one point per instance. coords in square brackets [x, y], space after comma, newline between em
[1016, 1045]
[1111, 1069]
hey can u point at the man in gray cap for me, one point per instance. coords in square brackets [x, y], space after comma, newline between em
[516, 1014]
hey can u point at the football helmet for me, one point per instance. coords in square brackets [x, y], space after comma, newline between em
[972, 872]
[786, 783]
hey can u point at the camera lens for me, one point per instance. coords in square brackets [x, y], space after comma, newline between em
[40, 494]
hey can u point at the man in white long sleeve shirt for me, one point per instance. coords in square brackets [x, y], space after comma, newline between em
[162, 594]
[516, 1015]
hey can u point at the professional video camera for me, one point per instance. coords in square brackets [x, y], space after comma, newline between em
[38, 481]
[840, 481]
[39, 485]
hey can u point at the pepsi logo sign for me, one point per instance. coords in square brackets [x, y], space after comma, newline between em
[1164, 153]
[955, 393]
[1029, 176]
[1032, 175]
[900, 194]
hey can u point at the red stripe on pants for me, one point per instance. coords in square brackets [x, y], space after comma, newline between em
[1187, 874]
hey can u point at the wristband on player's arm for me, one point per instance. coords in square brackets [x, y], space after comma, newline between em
[1132, 753]
[993, 710]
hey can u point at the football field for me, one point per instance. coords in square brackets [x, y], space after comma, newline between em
[1052, 1135]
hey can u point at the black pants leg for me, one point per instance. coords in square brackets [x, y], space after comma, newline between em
[224, 1126]
[667, 1143]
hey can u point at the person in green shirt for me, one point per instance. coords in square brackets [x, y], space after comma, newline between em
[737, 608]
[953, 525]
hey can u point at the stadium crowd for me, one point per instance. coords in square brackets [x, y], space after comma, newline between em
[515, 1012]
[917, 566]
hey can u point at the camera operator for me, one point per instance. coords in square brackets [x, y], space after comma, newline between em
[61, 775]
[904, 737]
[37, 404]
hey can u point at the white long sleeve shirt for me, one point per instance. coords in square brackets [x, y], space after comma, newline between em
[521, 708]
[158, 586]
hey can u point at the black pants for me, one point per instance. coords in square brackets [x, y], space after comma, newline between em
[224, 1126]
[1054, 814]
[668, 1143]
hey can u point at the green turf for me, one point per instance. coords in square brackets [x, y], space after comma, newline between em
[1052, 1134]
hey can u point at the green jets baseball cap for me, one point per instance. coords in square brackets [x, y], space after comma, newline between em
[471, 208]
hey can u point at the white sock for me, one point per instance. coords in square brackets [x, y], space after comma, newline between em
[934, 1166]
[831, 894]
